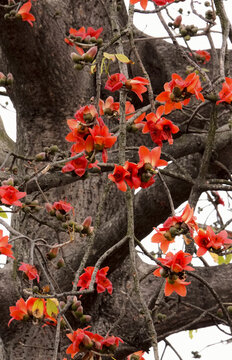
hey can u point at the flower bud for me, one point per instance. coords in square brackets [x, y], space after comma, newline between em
[78, 66]
[87, 342]
[90, 54]
[79, 311]
[177, 21]
[9, 79]
[60, 263]
[2, 79]
[75, 57]
[52, 254]
[48, 207]
[40, 157]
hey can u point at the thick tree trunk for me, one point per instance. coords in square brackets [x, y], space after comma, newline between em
[47, 91]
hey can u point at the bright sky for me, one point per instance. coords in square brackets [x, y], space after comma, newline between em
[150, 24]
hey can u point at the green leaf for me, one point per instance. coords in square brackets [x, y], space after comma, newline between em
[191, 334]
[52, 307]
[38, 308]
[2, 213]
[221, 260]
[228, 259]
[124, 59]
[109, 56]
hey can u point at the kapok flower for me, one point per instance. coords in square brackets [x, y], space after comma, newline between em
[160, 128]
[138, 355]
[209, 241]
[19, 311]
[178, 92]
[177, 263]
[79, 165]
[218, 199]
[118, 177]
[111, 341]
[143, 3]
[149, 160]
[63, 206]
[24, 12]
[30, 271]
[102, 282]
[202, 56]
[226, 93]
[10, 196]
[109, 107]
[178, 286]
[174, 269]
[5, 248]
[100, 140]
[115, 82]
[77, 338]
[133, 179]
[174, 226]
[137, 86]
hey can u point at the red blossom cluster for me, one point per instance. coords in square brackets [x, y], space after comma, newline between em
[141, 174]
[85, 341]
[36, 308]
[178, 92]
[174, 226]
[209, 241]
[9, 195]
[30, 271]
[24, 13]
[173, 270]
[101, 280]
[144, 3]
[160, 128]
[5, 248]
[89, 134]
[226, 93]
[116, 81]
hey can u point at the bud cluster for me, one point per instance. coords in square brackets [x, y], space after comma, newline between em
[77, 311]
[6, 80]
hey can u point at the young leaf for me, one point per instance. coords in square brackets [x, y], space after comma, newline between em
[124, 59]
[52, 307]
[109, 56]
[2, 213]
[38, 308]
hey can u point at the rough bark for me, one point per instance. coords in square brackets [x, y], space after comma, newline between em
[46, 92]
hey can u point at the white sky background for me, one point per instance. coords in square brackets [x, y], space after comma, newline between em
[150, 24]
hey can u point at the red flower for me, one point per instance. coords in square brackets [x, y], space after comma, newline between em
[5, 248]
[118, 177]
[143, 3]
[19, 311]
[100, 140]
[111, 341]
[160, 129]
[148, 162]
[86, 114]
[102, 282]
[176, 262]
[178, 92]
[82, 34]
[218, 199]
[178, 286]
[78, 165]
[30, 271]
[226, 93]
[115, 82]
[133, 179]
[208, 241]
[109, 107]
[138, 355]
[77, 337]
[10, 196]
[63, 206]
[24, 11]
[202, 56]
[137, 85]
[173, 226]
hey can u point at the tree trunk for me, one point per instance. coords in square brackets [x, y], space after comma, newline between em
[47, 91]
